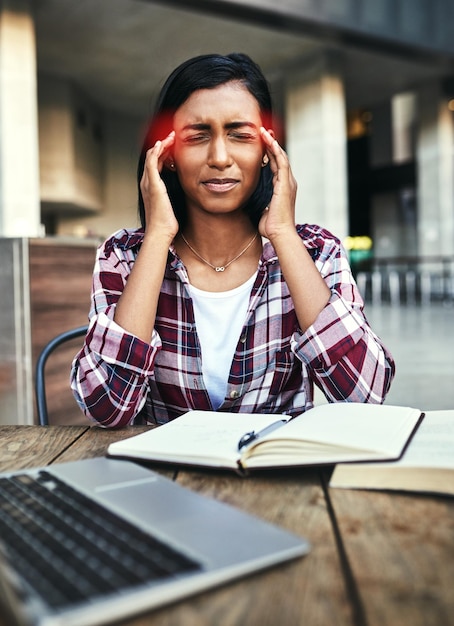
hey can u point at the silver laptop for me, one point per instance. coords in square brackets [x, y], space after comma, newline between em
[99, 540]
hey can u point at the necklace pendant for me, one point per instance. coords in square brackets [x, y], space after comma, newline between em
[220, 269]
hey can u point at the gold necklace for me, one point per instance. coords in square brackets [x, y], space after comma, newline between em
[219, 268]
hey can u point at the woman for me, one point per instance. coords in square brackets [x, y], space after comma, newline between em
[219, 302]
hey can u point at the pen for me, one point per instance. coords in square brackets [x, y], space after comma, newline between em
[252, 436]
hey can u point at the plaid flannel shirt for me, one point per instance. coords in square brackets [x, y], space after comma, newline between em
[118, 379]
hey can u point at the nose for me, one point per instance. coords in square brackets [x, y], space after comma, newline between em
[219, 156]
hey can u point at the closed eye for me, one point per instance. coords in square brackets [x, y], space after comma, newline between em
[196, 138]
[243, 136]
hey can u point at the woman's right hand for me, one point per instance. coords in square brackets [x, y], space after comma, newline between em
[134, 312]
[159, 215]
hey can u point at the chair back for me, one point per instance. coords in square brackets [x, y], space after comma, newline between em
[40, 373]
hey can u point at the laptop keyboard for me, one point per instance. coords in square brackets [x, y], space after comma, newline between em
[69, 548]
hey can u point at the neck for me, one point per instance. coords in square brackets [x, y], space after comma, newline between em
[219, 238]
[224, 266]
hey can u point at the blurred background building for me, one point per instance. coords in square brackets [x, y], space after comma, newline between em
[364, 95]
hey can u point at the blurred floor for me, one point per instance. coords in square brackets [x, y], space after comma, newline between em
[421, 339]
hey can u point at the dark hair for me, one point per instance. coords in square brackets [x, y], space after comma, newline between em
[206, 72]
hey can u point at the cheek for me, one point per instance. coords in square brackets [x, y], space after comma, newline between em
[187, 166]
[189, 160]
[252, 168]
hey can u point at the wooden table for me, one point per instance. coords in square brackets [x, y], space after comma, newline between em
[377, 559]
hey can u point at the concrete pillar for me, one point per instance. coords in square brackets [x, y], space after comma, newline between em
[435, 173]
[316, 142]
[19, 154]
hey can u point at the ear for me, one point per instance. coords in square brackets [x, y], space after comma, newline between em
[170, 164]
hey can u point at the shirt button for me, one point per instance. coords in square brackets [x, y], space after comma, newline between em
[234, 395]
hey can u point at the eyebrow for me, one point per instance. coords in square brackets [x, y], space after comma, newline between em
[229, 126]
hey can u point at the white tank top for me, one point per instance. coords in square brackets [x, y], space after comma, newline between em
[219, 319]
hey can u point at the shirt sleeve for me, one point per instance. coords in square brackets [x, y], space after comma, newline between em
[109, 375]
[346, 358]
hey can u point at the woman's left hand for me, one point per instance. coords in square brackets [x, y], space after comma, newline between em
[307, 287]
[278, 218]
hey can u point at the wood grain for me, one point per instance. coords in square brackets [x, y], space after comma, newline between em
[308, 591]
[401, 550]
[60, 284]
[96, 441]
[377, 559]
[29, 446]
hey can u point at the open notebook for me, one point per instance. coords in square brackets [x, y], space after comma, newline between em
[95, 541]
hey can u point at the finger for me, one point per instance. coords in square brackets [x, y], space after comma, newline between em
[161, 147]
[270, 141]
[156, 155]
[267, 139]
[165, 145]
[169, 140]
[274, 146]
[267, 135]
[152, 168]
[164, 149]
[151, 159]
[277, 155]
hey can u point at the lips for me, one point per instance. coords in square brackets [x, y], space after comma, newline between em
[220, 185]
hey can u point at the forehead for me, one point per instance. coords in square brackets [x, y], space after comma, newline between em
[227, 102]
